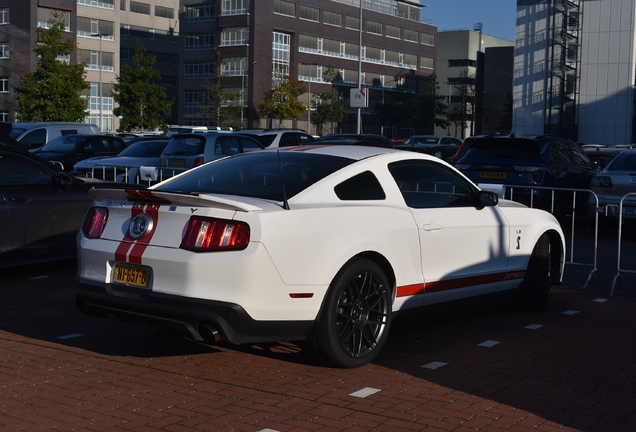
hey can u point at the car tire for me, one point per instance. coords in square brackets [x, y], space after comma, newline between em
[535, 288]
[355, 317]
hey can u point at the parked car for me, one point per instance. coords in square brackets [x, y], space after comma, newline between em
[317, 243]
[443, 151]
[532, 161]
[176, 130]
[33, 135]
[433, 139]
[603, 155]
[610, 185]
[187, 151]
[41, 209]
[361, 139]
[270, 138]
[69, 149]
[125, 166]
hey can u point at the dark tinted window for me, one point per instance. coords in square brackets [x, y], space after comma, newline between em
[579, 157]
[249, 144]
[428, 185]
[145, 149]
[503, 149]
[560, 152]
[364, 186]
[259, 174]
[19, 170]
[185, 145]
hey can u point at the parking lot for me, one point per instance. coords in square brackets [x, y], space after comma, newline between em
[491, 369]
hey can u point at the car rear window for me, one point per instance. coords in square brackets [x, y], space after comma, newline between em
[265, 140]
[503, 149]
[258, 175]
[185, 146]
[624, 162]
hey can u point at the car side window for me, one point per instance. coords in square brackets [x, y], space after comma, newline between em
[305, 139]
[364, 186]
[18, 170]
[425, 184]
[579, 156]
[116, 146]
[34, 139]
[249, 144]
[227, 145]
[288, 139]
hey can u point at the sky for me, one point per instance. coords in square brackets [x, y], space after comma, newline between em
[497, 16]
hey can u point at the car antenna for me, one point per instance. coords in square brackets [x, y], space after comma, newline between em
[282, 181]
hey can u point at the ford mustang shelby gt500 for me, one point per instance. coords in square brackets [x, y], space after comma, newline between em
[321, 244]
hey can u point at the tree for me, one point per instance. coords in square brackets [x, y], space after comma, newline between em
[221, 107]
[432, 110]
[53, 91]
[141, 100]
[330, 107]
[281, 102]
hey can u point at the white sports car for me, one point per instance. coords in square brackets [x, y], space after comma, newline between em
[316, 243]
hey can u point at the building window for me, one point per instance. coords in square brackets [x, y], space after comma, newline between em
[374, 27]
[200, 12]
[235, 7]
[428, 39]
[140, 8]
[391, 58]
[285, 8]
[427, 63]
[106, 4]
[199, 41]
[164, 12]
[4, 84]
[126, 29]
[410, 35]
[234, 66]
[409, 60]
[393, 31]
[309, 13]
[462, 63]
[4, 15]
[92, 60]
[281, 49]
[235, 36]
[91, 26]
[331, 47]
[4, 116]
[4, 50]
[192, 100]
[122, 5]
[352, 23]
[46, 15]
[196, 70]
[332, 18]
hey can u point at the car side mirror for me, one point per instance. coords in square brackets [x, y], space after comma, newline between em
[487, 199]
[64, 181]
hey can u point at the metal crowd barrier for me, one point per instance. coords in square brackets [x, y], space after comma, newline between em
[594, 264]
[619, 270]
[140, 177]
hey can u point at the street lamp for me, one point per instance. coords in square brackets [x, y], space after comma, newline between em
[100, 36]
[359, 119]
[309, 97]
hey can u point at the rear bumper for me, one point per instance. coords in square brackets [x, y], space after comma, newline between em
[200, 319]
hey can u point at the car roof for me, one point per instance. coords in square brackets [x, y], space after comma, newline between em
[356, 152]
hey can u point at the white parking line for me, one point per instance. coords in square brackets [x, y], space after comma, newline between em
[533, 326]
[38, 277]
[570, 312]
[600, 300]
[367, 391]
[434, 365]
[489, 343]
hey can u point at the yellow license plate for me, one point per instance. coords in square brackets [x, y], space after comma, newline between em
[492, 175]
[177, 162]
[131, 275]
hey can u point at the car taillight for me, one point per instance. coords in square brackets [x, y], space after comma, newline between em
[601, 181]
[95, 222]
[198, 161]
[211, 235]
[537, 175]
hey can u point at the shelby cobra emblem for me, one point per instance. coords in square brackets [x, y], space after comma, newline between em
[140, 225]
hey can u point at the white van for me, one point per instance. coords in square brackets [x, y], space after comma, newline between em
[34, 135]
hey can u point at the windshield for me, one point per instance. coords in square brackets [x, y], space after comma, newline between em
[503, 149]
[17, 131]
[63, 144]
[145, 149]
[258, 174]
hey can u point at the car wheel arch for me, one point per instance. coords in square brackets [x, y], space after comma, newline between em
[380, 260]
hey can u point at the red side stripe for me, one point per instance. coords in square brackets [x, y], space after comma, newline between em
[446, 285]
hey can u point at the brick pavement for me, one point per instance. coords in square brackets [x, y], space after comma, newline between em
[571, 370]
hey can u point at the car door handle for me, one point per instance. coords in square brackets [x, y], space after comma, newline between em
[20, 200]
[433, 226]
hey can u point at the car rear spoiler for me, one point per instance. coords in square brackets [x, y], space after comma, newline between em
[200, 200]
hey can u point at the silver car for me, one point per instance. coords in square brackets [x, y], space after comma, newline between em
[611, 185]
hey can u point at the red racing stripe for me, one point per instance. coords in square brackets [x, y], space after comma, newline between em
[451, 284]
[138, 250]
[121, 254]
